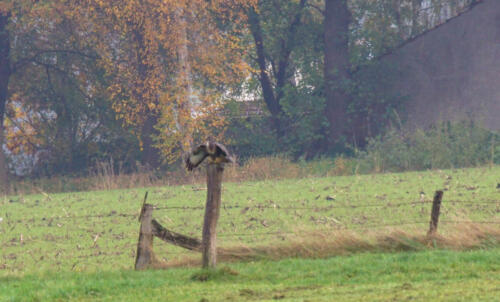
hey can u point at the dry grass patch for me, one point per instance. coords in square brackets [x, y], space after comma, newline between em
[457, 236]
[105, 176]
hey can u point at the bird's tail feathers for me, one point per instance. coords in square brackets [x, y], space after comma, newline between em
[189, 165]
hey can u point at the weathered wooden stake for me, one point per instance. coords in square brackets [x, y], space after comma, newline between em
[209, 236]
[436, 206]
[145, 256]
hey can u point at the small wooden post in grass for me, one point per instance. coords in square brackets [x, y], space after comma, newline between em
[145, 257]
[436, 206]
[209, 236]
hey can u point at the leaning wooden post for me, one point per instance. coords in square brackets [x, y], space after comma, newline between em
[436, 206]
[209, 236]
[145, 257]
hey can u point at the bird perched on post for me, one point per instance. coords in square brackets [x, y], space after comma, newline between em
[215, 152]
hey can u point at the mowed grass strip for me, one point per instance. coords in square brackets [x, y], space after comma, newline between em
[415, 276]
[91, 231]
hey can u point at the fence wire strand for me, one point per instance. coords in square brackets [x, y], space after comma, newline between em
[256, 207]
[58, 218]
[371, 205]
[355, 227]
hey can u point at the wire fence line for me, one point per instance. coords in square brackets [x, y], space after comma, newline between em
[360, 227]
[339, 226]
[56, 239]
[470, 221]
[72, 217]
[245, 208]
[91, 246]
[276, 206]
[115, 214]
[265, 222]
[271, 233]
[371, 205]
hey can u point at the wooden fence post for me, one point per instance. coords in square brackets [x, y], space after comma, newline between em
[436, 206]
[209, 236]
[145, 256]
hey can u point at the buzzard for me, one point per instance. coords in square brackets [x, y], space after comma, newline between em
[215, 152]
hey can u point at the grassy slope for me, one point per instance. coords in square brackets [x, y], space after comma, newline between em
[52, 240]
[422, 276]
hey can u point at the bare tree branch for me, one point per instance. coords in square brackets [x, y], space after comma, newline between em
[34, 58]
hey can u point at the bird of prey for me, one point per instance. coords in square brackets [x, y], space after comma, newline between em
[215, 152]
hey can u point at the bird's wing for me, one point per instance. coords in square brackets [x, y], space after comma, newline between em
[222, 151]
[196, 157]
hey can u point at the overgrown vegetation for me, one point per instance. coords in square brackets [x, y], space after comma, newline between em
[445, 146]
[449, 145]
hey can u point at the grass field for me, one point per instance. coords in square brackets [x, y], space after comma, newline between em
[54, 235]
[409, 276]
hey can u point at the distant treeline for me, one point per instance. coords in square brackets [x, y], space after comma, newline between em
[138, 83]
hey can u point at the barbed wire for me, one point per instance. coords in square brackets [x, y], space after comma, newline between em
[255, 234]
[360, 227]
[371, 205]
[472, 202]
[57, 218]
[279, 207]
[114, 214]
[273, 233]
[469, 221]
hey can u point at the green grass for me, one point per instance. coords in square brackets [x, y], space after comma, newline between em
[38, 232]
[409, 276]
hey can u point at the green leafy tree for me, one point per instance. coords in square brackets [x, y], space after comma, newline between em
[286, 56]
[20, 21]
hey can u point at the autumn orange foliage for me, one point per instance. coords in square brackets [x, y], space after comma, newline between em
[168, 61]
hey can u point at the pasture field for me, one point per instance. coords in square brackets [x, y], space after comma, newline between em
[51, 236]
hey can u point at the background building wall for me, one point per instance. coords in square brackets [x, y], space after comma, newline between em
[453, 71]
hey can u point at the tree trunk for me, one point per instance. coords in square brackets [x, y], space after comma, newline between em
[4, 179]
[272, 103]
[336, 73]
[150, 154]
[4, 83]
[416, 6]
[273, 95]
[187, 105]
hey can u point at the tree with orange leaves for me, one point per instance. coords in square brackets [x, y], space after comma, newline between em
[169, 64]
